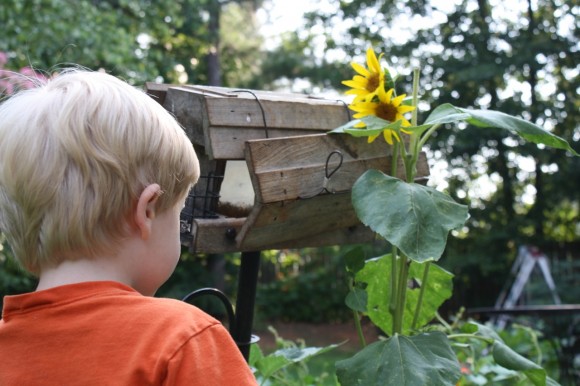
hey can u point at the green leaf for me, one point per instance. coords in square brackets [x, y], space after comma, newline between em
[348, 125]
[511, 360]
[357, 300]
[529, 131]
[414, 218]
[508, 358]
[373, 126]
[372, 122]
[439, 288]
[483, 330]
[299, 354]
[355, 259]
[446, 113]
[420, 360]
[270, 364]
[255, 354]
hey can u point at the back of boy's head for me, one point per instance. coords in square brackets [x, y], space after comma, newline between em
[75, 154]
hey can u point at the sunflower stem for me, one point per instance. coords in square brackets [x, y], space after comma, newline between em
[394, 249]
[393, 301]
[394, 159]
[416, 74]
[359, 331]
[421, 294]
[406, 160]
[401, 295]
[427, 135]
[413, 146]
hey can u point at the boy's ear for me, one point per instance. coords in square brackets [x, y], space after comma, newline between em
[145, 211]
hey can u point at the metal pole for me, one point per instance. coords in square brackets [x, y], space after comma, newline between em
[246, 298]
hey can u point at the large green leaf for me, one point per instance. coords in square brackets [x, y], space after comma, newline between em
[420, 360]
[414, 218]
[509, 359]
[376, 275]
[447, 113]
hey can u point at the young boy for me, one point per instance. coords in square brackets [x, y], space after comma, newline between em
[93, 175]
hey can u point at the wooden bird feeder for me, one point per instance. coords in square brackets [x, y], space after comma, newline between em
[301, 176]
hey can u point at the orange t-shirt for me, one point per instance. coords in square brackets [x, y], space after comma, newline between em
[105, 333]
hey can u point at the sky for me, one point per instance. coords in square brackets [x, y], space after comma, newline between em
[283, 15]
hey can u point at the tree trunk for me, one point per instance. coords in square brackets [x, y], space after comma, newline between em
[214, 76]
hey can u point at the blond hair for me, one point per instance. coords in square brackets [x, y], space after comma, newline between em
[75, 154]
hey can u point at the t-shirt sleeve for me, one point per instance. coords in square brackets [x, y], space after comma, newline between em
[209, 358]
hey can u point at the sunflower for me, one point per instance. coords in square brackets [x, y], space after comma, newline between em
[368, 80]
[386, 107]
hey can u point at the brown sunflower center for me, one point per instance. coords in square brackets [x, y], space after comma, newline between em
[387, 111]
[373, 82]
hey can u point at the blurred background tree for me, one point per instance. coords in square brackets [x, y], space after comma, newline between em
[175, 41]
[517, 57]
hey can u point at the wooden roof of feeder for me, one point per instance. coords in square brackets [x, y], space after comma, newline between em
[301, 176]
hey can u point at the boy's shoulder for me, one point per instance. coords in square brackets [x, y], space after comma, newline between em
[113, 304]
[160, 310]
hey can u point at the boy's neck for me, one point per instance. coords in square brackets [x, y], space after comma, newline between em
[83, 270]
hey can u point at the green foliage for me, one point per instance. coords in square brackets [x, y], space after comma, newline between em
[488, 360]
[437, 289]
[139, 40]
[316, 297]
[424, 359]
[288, 365]
[447, 113]
[412, 217]
[13, 279]
[416, 220]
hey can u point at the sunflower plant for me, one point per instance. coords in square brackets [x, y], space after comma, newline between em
[415, 219]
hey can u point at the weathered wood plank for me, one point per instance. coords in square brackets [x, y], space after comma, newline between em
[229, 142]
[157, 91]
[214, 236]
[279, 222]
[296, 167]
[221, 119]
[293, 113]
[189, 110]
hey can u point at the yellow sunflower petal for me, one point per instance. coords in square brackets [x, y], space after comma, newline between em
[357, 91]
[398, 100]
[360, 125]
[360, 69]
[371, 138]
[363, 106]
[360, 115]
[372, 61]
[395, 135]
[405, 109]
[385, 97]
[388, 137]
[360, 97]
[354, 84]
[405, 122]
